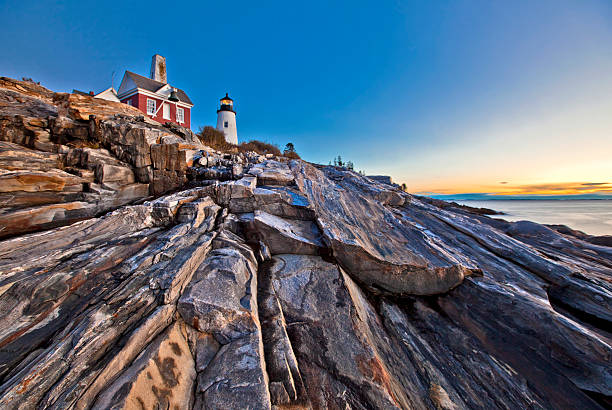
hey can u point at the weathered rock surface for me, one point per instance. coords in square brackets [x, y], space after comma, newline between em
[80, 157]
[162, 376]
[383, 251]
[259, 283]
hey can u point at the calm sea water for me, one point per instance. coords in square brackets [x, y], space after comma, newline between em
[590, 216]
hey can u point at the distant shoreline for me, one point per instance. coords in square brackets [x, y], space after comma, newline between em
[591, 216]
[497, 198]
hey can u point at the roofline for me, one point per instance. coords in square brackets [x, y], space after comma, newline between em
[148, 93]
[162, 84]
[109, 88]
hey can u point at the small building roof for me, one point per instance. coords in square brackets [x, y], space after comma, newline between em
[153, 86]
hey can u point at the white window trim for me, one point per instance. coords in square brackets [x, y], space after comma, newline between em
[154, 107]
[180, 119]
[163, 111]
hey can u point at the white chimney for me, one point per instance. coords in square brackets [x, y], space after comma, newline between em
[158, 69]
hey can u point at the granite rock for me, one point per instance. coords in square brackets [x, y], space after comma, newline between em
[141, 269]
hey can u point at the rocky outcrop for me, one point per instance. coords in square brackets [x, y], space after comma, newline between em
[240, 281]
[385, 252]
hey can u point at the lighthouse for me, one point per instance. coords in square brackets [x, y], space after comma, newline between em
[226, 120]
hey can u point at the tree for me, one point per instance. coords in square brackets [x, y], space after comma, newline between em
[338, 162]
[289, 147]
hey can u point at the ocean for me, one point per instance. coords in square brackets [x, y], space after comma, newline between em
[593, 217]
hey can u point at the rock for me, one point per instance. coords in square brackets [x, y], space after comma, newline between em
[383, 179]
[237, 170]
[219, 299]
[284, 202]
[198, 211]
[44, 217]
[272, 172]
[336, 371]
[138, 340]
[261, 283]
[161, 377]
[15, 157]
[37, 181]
[382, 251]
[285, 381]
[235, 378]
[111, 173]
[288, 236]
[135, 149]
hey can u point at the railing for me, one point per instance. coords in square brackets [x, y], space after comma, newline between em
[224, 107]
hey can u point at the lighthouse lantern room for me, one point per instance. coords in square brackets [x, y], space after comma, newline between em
[226, 120]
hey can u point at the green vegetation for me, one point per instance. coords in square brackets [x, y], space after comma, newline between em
[348, 165]
[338, 162]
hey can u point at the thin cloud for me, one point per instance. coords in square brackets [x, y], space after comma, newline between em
[563, 188]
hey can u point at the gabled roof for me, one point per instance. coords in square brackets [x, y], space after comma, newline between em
[154, 86]
[109, 94]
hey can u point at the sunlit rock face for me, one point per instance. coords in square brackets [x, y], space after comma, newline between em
[140, 269]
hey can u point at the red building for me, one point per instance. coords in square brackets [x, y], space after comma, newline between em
[154, 96]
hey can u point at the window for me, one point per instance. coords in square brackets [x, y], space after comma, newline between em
[226, 124]
[129, 102]
[166, 112]
[151, 107]
[180, 115]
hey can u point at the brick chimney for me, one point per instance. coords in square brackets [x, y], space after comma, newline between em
[158, 69]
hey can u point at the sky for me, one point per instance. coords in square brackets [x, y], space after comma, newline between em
[449, 97]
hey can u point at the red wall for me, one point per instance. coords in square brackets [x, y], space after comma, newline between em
[140, 101]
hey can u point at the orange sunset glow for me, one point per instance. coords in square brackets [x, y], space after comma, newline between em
[504, 188]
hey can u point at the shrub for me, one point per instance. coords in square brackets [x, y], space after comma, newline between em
[291, 155]
[343, 164]
[259, 147]
[214, 138]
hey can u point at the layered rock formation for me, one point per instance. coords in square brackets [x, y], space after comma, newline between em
[140, 269]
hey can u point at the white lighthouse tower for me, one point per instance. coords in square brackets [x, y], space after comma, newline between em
[226, 120]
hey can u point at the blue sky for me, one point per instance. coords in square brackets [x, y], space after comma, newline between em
[447, 96]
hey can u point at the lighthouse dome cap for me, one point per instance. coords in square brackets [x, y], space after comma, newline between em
[226, 98]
